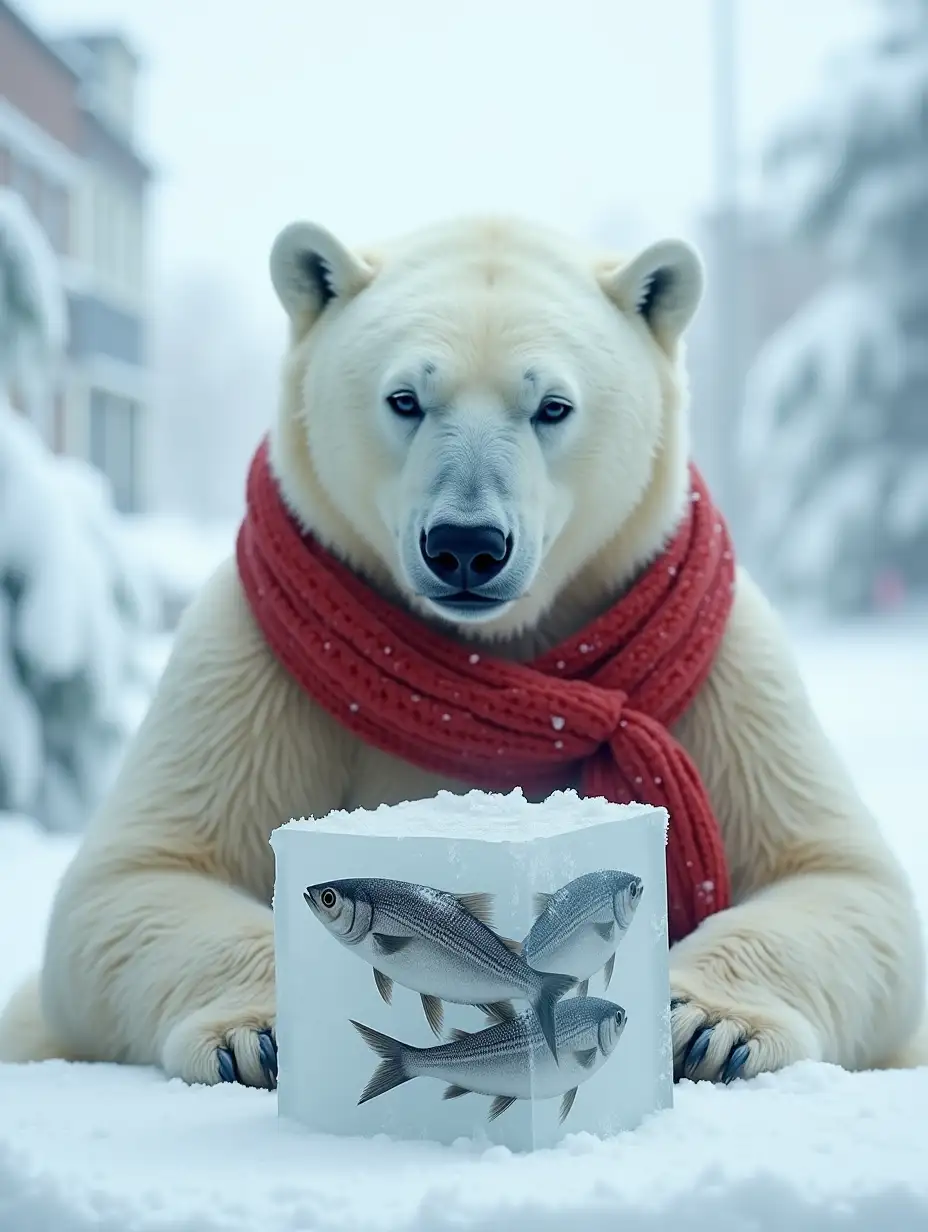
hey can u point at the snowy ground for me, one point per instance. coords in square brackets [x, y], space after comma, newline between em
[812, 1149]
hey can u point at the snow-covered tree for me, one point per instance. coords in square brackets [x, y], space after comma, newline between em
[33, 313]
[73, 606]
[836, 409]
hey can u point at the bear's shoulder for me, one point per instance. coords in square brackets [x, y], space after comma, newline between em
[231, 747]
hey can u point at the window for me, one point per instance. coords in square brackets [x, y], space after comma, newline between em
[117, 235]
[48, 201]
[101, 227]
[59, 422]
[31, 189]
[55, 217]
[114, 443]
[20, 177]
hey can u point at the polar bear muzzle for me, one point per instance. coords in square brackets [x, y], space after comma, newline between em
[466, 559]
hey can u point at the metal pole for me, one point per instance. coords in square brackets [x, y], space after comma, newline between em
[725, 143]
[729, 360]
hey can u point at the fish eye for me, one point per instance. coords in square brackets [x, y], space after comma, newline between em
[637, 887]
[328, 898]
[619, 1017]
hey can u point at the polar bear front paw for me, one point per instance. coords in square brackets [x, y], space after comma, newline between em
[717, 1040]
[217, 1044]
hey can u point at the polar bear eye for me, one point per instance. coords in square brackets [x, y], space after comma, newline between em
[405, 404]
[553, 411]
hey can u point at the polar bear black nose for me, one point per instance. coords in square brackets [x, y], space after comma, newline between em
[465, 557]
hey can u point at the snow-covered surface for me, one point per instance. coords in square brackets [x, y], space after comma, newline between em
[813, 438]
[474, 816]
[33, 308]
[835, 438]
[74, 602]
[813, 1149]
[867, 101]
[74, 613]
[36, 266]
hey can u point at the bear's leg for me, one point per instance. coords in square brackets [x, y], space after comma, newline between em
[815, 967]
[24, 1034]
[822, 955]
[162, 967]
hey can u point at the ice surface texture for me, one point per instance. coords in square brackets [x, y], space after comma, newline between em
[389, 926]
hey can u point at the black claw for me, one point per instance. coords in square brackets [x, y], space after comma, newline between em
[227, 1070]
[267, 1047]
[697, 1051]
[735, 1063]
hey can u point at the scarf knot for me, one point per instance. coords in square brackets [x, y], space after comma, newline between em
[594, 713]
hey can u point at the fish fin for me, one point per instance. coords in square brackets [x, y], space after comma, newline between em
[566, 1104]
[391, 1072]
[553, 987]
[585, 1057]
[384, 1045]
[583, 988]
[479, 905]
[606, 931]
[458, 1033]
[514, 946]
[455, 1092]
[608, 970]
[498, 1011]
[384, 985]
[434, 1012]
[541, 901]
[385, 943]
[500, 1105]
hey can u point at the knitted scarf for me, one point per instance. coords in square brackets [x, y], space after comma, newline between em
[592, 713]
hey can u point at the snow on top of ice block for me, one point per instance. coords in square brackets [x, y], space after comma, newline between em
[478, 815]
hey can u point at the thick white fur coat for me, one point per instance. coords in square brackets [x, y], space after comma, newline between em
[160, 947]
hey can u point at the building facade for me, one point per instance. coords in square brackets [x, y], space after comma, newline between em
[68, 147]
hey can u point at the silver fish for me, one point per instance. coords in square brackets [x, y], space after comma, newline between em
[440, 945]
[510, 1060]
[580, 925]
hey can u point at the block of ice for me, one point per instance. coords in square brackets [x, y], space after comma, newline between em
[474, 966]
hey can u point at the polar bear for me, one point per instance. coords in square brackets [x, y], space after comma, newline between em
[546, 385]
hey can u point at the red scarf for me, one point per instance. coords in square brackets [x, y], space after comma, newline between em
[597, 707]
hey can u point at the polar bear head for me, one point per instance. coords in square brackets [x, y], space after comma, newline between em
[473, 415]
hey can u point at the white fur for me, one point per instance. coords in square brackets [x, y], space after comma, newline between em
[160, 947]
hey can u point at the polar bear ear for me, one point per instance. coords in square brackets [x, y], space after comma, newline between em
[663, 284]
[310, 268]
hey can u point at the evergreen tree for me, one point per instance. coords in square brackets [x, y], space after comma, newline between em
[73, 605]
[836, 412]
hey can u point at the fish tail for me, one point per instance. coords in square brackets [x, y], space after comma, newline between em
[553, 987]
[392, 1070]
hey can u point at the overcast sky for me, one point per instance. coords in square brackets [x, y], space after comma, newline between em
[376, 115]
